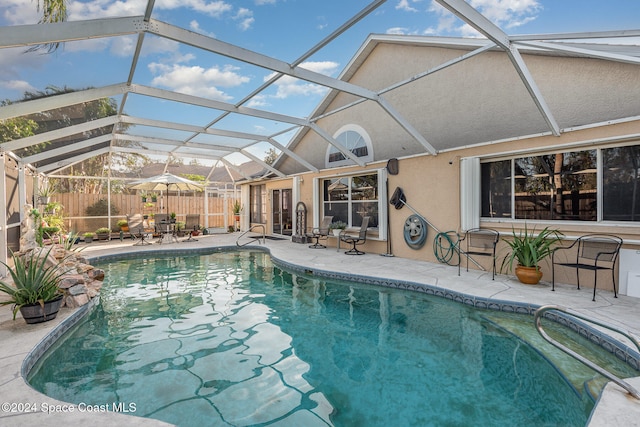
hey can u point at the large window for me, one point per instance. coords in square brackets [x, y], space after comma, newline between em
[350, 198]
[564, 186]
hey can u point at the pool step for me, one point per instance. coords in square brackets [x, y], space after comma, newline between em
[581, 377]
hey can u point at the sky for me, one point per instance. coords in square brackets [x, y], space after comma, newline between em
[284, 29]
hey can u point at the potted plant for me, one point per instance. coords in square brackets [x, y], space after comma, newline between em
[44, 193]
[337, 227]
[195, 231]
[123, 224]
[143, 195]
[180, 228]
[236, 210]
[529, 249]
[103, 233]
[172, 217]
[50, 232]
[35, 291]
[88, 236]
[154, 197]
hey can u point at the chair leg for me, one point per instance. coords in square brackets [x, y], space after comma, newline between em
[595, 283]
[553, 276]
[353, 250]
[613, 277]
[317, 244]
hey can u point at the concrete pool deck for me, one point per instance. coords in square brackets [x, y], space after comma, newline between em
[17, 339]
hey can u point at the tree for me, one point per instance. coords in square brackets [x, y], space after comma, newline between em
[52, 11]
[271, 156]
[45, 121]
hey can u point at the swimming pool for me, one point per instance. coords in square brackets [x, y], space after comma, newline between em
[230, 339]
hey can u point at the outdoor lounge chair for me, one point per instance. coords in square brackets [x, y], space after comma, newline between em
[356, 240]
[192, 223]
[139, 230]
[480, 242]
[593, 252]
[321, 232]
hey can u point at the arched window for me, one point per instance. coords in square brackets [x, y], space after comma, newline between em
[353, 138]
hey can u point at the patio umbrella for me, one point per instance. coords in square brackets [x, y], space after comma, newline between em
[165, 182]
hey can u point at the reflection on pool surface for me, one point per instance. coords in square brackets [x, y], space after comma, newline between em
[230, 339]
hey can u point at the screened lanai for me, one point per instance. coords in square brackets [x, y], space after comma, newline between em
[220, 92]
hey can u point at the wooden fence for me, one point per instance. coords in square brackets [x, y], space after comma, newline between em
[77, 219]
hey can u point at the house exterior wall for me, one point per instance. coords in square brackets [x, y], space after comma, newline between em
[478, 108]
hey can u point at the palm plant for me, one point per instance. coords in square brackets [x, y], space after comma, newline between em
[529, 248]
[34, 282]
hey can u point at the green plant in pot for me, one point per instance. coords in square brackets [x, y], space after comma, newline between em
[88, 236]
[337, 227]
[123, 224]
[35, 291]
[103, 233]
[528, 249]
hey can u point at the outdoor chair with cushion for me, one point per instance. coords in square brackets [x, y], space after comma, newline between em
[139, 230]
[356, 240]
[320, 233]
[192, 223]
[479, 242]
[593, 252]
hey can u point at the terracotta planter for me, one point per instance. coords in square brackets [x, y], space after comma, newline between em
[528, 275]
[35, 313]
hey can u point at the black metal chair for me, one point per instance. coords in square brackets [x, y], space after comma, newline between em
[321, 232]
[593, 252]
[360, 239]
[139, 230]
[479, 242]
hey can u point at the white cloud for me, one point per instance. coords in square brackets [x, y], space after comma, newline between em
[196, 80]
[245, 16]
[397, 30]
[505, 14]
[406, 5]
[18, 86]
[195, 26]
[14, 65]
[288, 86]
[103, 9]
[258, 101]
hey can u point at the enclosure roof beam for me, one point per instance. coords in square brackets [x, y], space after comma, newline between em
[59, 133]
[67, 149]
[37, 34]
[173, 143]
[55, 167]
[263, 163]
[61, 100]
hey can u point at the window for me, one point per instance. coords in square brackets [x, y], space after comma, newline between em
[350, 198]
[564, 186]
[353, 138]
[621, 184]
[258, 201]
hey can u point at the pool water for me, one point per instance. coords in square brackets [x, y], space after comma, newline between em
[229, 339]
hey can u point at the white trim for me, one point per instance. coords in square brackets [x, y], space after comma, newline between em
[470, 189]
[348, 162]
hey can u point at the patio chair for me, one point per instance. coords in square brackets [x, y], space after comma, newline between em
[321, 232]
[192, 223]
[139, 230]
[593, 252]
[479, 242]
[360, 239]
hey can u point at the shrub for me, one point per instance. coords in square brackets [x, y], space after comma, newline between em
[100, 208]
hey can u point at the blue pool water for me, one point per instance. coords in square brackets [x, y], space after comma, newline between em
[229, 339]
